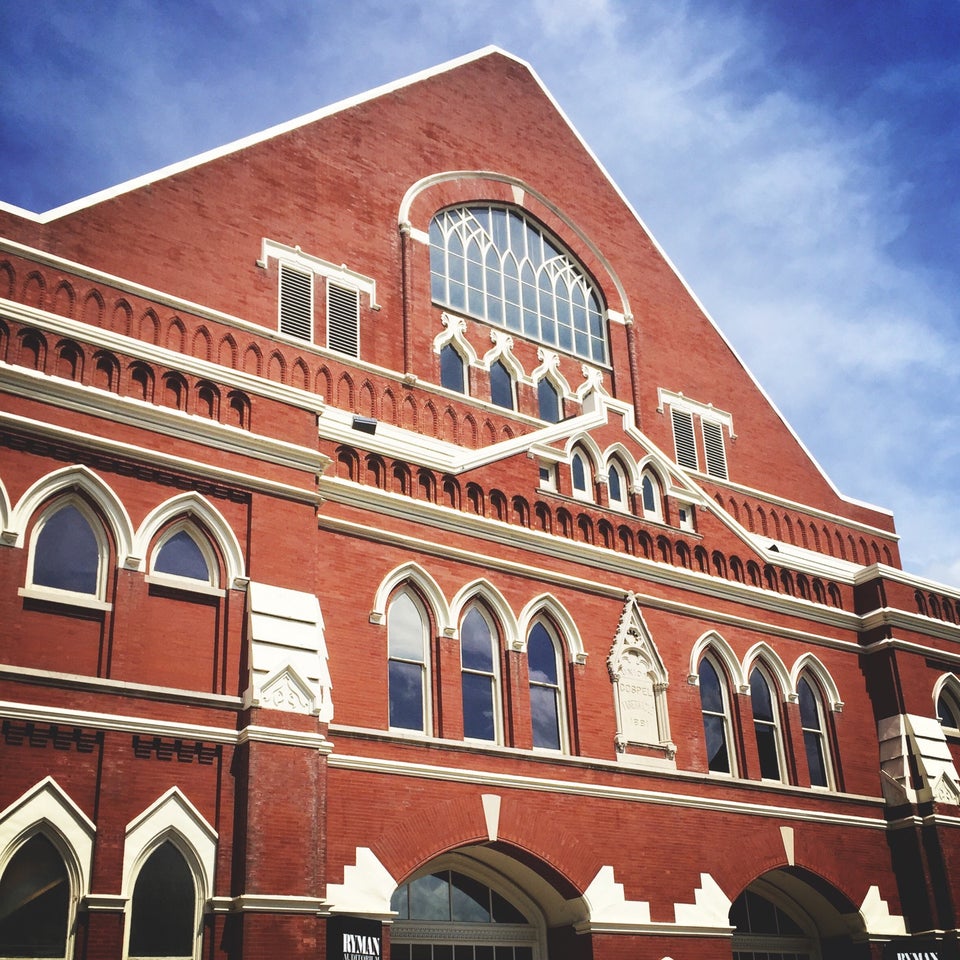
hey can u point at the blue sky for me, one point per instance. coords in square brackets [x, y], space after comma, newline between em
[798, 161]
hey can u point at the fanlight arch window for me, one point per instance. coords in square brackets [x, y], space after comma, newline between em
[763, 928]
[499, 265]
[546, 691]
[715, 708]
[447, 914]
[813, 724]
[766, 725]
[35, 901]
[408, 673]
[185, 554]
[480, 676]
[163, 913]
[68, 550]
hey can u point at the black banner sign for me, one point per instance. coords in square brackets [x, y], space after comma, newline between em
[354, 938]
[919, 948]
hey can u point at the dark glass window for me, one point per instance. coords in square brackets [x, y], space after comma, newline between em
[578, 472]
[181, 556]
[765, 726]
[67, 555]
[451, 897]
[649, 492]
[501, 386]
[548, 401]
[544, 688]
[714, 709]
[811, 722]
[407, 635]
[452, 374]
[478, 677]
[34, 902]
[947, 711]
[163, 913]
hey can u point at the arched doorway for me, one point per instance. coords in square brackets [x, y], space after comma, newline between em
[460, 908]
[792, 914]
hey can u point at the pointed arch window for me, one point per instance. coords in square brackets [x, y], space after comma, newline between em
[813, 724]
[617, 489]
[545, 688]
[548, 401]
[68, 551]
[580, 475]
[500, 265]
[715, 708]
[163, 913]
[35, 902]
[479, 677]
[650, 496]
[407, 641]
[501, 386]
[766, 725]
[453, 374]
[182, 553]
[948, 707]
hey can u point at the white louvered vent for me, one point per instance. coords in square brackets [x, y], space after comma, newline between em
[713, 449]
[296, 303]
[683, 441]
[343, 320]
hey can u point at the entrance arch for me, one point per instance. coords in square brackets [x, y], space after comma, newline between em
[793, 914]
[467, 905]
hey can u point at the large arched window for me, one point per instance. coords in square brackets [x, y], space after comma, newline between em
[766, 725]
[163, 912]
[407, 641]
[716, 718]
[546, 702]
[67, 552]
[497, 264]
[35, 902]
[813, 723]
[480, 677]
[764, 929]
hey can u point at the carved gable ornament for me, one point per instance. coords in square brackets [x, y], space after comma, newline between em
[640, 692]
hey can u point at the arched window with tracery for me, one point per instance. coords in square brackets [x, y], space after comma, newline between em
[715, 708]
[499, 265]
[408, 663]
[546, 691]
[480, 676]
[68, 550]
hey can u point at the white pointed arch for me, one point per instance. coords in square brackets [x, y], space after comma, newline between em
[589, 446]
[502, 350]
[205, 515]
[428, 589]
[490, 597]
[550, 369]
[948, 687]
[76, 479]
[172, 817]
[548, 606]
[617, 451]
[455, 333]
[711, 643]
[762, 654]
[810, 664]
[654, 466]
[6, 535]
[45, 808]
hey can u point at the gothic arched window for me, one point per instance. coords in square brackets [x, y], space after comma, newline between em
[407, 642]
[545, 689]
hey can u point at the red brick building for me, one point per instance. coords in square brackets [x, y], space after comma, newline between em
[399, 562]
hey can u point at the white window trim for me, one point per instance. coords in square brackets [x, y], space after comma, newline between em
[337, 273]
[776, 701]
[725, 695]
[495, 651]
[211, 584]
[558, 653]
[426, 681]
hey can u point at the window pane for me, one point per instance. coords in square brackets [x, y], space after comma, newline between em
[613, 485]
[760, 696]
[544, 714]
[813, 745]
[34, 902]
[501, 386]
[430, 897]
[548, 401]
[945, 712]
[181, 557]
[476, 642]
[406, 695]
[478, 719]
[406, 629]
[579, 473]
[809, 714]
[541, 656]
[162, 923]
[711, 695]
[715, 734]
[767, 748]
[470, 900]
[67, 556]
[451, 369]
[649, 495]
[504, 911]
